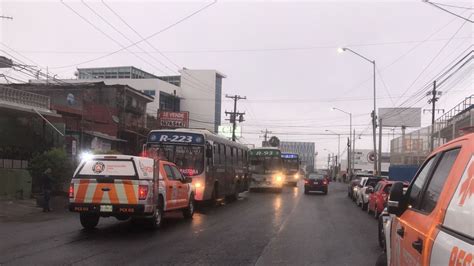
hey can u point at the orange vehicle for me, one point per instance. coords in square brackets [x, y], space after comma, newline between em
[124, 187]
[433, 223]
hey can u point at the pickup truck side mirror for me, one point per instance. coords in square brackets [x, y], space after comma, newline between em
[187, 180]
[395, 199]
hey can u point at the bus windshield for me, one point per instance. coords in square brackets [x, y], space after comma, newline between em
[265, 164]
[188, 158]
[291, 165]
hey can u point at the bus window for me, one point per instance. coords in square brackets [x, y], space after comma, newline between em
[222, 154]
[228, 155]
[235, 156]
[216, 154]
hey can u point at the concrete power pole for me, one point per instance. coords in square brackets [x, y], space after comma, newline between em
[434, 98]
[265, 137]
[234, 114]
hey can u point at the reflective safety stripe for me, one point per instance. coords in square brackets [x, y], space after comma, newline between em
[81, 190]
[130, 192]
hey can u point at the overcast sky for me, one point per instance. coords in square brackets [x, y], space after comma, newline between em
[281, 55]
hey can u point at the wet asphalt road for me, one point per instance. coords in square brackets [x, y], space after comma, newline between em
[260, 228]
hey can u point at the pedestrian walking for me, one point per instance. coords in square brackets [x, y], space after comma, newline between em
[46, 187]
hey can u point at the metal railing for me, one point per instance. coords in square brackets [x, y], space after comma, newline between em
[24, 98]
[444, 120]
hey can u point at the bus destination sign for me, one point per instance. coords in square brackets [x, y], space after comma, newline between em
[176, 137]
[270, 153]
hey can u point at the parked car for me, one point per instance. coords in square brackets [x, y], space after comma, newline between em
[432, 223]
[124, 187]
[378, 197]
[350, 188]
[365, 186]
[316, 182]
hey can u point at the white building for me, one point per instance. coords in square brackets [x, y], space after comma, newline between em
[197, 91]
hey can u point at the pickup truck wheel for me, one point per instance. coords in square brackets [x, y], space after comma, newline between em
[156, 220]
[188, 212]
[89, 221]
[381, 234]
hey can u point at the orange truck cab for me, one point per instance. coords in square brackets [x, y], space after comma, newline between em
[125, 186]
[433, 223]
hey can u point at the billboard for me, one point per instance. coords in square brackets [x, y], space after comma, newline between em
[226, 131]
[398, 117]
[173, 119]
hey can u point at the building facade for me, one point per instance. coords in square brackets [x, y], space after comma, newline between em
[198, 92]
[306, 151]
[96, 116]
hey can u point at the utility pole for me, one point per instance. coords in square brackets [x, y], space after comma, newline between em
[379, 161]
[349, 172]
[265, 136]
[434, 98]
[234, 114]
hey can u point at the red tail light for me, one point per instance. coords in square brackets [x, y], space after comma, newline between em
[71, 191]
[306, 181]
[325, 182]
[142, 192]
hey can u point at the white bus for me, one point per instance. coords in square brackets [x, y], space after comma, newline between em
[266, 169]
[217, 166]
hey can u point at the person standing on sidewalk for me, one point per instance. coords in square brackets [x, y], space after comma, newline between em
[46, 187]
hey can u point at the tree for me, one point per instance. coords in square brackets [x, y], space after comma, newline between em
[58, 161]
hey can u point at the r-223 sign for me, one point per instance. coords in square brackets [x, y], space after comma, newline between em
[176, 138]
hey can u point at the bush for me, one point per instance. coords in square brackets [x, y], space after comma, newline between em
[58, 161]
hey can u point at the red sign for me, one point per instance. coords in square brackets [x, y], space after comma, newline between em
[173, 119]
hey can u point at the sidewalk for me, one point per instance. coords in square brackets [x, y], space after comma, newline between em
[28, 210]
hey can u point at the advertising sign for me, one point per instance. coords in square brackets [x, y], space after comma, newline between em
[226, 131]
[173, 119]
[398, 117]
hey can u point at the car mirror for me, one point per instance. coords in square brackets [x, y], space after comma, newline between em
[395, 199]
[369, 190]
[187, 180]
[209, 151]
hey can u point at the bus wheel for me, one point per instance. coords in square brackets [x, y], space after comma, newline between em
[89, 221]
[235, 194]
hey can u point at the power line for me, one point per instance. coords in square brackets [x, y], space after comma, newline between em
[433, 59]
[450, 12]
[108, 36]
[138, 42]
[453, 6]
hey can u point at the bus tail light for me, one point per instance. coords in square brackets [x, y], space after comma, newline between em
[71, 191]
[142, 192]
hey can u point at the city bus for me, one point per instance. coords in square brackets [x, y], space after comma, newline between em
[266, 169]
[291, 168]
[217, 166]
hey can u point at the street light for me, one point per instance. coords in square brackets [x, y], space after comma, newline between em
[374, 112]
[349, 153]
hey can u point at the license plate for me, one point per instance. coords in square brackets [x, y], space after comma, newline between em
[106, 208]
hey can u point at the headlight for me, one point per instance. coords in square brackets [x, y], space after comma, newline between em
[354, 189]
[297, 176]
[197, 185]
[278, 178]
